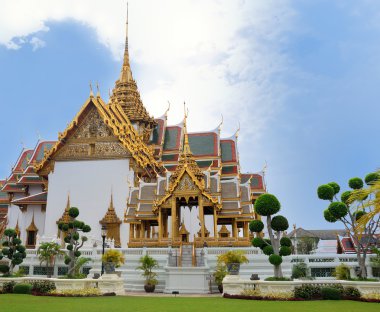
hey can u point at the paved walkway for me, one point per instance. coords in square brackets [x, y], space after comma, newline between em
[154, 294]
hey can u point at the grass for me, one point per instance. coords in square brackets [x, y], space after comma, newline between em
[22, 303]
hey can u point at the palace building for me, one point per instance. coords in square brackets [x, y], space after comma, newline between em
[151, 184]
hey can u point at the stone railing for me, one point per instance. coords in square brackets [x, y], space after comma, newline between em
[106, 284]
[234, 285]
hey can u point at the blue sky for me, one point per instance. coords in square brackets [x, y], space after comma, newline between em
[301, 77]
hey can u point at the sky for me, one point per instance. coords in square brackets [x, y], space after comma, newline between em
[301, 78]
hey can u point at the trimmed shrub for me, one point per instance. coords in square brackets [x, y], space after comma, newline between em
[355, 183]
[335, 186]
[328, 216]
[330, 293]
[345, 197]
[285, 241]
[43, 287]
[73, 212]
[256, 226]
[268, 250]
[370, 178]
[8, 287]
[307, 291]
[351, 292]
[22, 288]
[275, 259]
[273, 278]
[359, 214]
[267, 204]
[279, 223]
[338, 209]
[325, 192]
[285, 251]
[258, 242]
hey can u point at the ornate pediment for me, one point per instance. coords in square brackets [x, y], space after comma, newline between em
[92, 139]
[186, 184]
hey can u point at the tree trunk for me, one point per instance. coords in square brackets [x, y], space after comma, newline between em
[361, 262]
[276, 247]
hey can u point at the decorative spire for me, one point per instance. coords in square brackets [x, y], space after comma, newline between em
[65, 216]
[127, 95]
[110, 216]
[186, 158]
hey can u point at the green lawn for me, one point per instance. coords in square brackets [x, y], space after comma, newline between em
[26, 303]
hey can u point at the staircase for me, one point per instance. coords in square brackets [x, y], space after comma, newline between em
[187, 255]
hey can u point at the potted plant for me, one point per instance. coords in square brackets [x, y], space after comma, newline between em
[147, 264]
[232, 259]
[112, 259]
[219, 274]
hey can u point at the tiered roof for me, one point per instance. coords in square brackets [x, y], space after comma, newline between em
[23, 176]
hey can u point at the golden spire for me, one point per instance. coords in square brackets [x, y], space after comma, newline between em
[110, 217]
[126, 72]
[127, 95]
[65, 216]
[186, 145]
[186, 157]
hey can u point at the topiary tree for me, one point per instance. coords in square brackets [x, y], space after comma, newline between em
[12, 249]
[72, 237]
[277, 246]
[356, 210]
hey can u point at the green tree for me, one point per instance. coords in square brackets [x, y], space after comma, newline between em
[74, 240]
[356, 210]
[305, 245]
[47, 253]
[12, 249]
[277, 246]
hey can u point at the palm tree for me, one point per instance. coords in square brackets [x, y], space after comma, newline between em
[47, 252]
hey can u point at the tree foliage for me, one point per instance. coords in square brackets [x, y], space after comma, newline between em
[12, 249]
[72, 237]
[47, 253]
[358, 211]
[277, 245]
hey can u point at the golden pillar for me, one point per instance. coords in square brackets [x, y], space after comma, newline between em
[201, 216]
[142, 229]
[160, 224]
[215, 224]
[234, 228]
[174, 218]
[137, 228]
[246, 229]
[148, 229]
[131, 231]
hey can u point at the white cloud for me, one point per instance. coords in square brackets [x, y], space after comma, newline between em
[221, 57]
[37, 43]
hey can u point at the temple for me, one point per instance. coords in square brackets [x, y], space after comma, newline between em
[151, 184]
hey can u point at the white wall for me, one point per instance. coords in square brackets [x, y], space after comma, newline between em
[89, 184]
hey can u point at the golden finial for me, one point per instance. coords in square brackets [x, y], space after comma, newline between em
[186, 145]
[97, 90]
[167, 110]
[220, 125]
[91, 92]
[237, 131]
[265, 168]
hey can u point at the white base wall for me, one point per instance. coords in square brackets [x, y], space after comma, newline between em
[89, 184]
